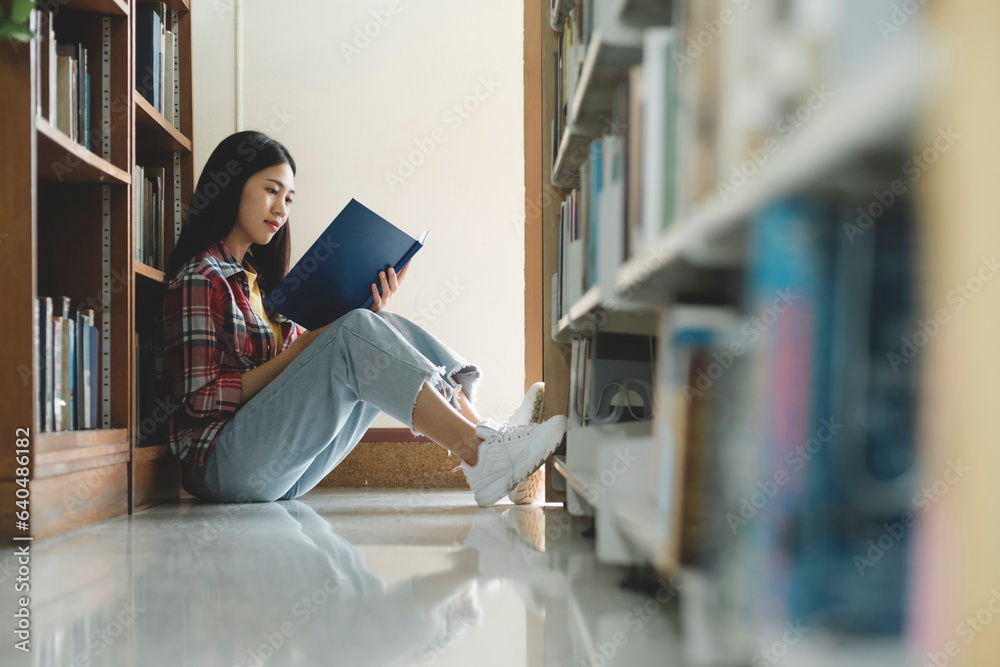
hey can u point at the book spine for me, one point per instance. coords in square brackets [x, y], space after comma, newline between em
[52, 69]
[62, 105]
[94, 345]
[34, 25]
[48, 378]
[70, 380]
[144, 53]
[74, 99]
[137, 393]
[161, 213]
[57, 363]
[563, 240]
[38, 339]
[81, 93]
[160, 61]
[83, 369]
[137, 211]
[86, 116]
[78, 380]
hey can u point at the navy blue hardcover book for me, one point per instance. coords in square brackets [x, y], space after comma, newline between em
[335, 275]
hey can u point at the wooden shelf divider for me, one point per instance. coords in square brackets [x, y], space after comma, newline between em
[98, 6]
[154, 132]
[52, 442]
[62, 159]
[148, 272]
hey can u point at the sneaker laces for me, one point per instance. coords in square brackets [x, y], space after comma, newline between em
[505, 433]
[509, 433]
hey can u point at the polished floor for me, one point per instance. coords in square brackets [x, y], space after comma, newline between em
[339, 577]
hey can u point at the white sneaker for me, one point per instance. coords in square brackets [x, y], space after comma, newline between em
[509, 455]
[531, 490]
[529, 412]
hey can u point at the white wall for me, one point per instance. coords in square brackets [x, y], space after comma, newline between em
[350, 108]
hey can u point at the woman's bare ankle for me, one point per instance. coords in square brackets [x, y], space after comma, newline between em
[469, 451]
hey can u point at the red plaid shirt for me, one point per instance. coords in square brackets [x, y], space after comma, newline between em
[211, 337]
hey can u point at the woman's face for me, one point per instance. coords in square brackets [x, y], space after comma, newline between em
[264, 206]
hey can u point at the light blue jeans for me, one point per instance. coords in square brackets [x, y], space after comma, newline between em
[303, 423]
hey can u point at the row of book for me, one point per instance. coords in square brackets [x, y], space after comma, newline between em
[63, 81]
[157, 59]
[702, 112]
[590, 252]
[619, 43]
[67, 365]
[791, 420]
[150, 215]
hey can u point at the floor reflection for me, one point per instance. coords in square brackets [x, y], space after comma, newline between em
[281, 584]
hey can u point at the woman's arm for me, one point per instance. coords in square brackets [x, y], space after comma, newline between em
[257, 378]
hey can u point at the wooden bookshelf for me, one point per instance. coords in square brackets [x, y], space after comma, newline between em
[882, 115]
[73, 235]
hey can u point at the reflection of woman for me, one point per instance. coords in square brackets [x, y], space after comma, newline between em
[311, 601]
[266, 409]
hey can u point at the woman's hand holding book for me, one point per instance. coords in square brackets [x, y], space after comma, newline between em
[390, 284]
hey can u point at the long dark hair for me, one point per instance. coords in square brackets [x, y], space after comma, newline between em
[215, 206]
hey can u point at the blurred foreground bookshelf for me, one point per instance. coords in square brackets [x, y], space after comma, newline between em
[761, 200]
[75, 130]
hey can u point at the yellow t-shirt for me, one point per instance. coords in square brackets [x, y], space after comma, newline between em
[258, 304]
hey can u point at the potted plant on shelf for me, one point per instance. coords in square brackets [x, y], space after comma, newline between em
[15, 27]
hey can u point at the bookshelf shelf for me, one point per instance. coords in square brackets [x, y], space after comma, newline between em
[180, 5]
[573, 150]
[643, 529]
[149, 272]
[82, 458]
[88, 461]
[112, 7]
[592, 312]
[871, 119]
[603, 67]
[645, 12]
[63, 440]
[581, 480]
[559, 9]
[62, 159]
[153, 132]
